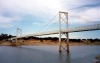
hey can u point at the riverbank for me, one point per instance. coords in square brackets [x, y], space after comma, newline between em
[37, 43]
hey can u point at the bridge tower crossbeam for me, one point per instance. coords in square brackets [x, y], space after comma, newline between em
[63, 17]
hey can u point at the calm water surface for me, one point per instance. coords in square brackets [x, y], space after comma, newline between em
[48, 54]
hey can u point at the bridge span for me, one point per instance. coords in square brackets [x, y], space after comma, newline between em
[60, 31]
[70, 30]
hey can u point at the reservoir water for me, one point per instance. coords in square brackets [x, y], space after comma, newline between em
[48, 54]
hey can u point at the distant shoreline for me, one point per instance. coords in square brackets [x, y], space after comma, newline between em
[38, 43]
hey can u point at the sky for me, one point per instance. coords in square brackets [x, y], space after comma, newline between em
[32, 16]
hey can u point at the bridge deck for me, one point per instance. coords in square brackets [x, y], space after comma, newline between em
[70, 30]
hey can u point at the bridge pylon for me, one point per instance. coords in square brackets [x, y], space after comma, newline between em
[63, 17]
[18, 33]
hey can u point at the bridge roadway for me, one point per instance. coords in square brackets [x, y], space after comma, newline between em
[70, 30]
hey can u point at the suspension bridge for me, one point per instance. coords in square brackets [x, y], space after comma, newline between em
[61, 31]
[70, 30]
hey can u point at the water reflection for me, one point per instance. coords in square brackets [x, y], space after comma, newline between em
[60, 57]
[64, 58]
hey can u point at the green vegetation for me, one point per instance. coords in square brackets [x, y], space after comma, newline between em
[5, 36]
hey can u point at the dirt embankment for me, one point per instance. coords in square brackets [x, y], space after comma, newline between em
[46, 42]
[5, 43]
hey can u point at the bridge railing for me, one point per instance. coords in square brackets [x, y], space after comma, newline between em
[83, 28]
[76, 29]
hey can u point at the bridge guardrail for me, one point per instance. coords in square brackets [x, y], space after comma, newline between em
[76, 29]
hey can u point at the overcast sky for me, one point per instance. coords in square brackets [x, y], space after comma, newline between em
[32, 15]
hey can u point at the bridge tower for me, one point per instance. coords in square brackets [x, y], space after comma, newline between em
[18, 33]
[63, 17]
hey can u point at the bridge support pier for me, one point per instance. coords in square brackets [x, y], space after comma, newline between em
[63, 17]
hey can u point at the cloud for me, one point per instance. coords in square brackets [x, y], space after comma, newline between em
[88, 15]
[40, 7]
[5, 25]
[83, 11]
[39, 24]
[4, 19]
[37, 7]
[92, 14]
[34, 7]
[47, 8]
[5, 22]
